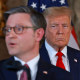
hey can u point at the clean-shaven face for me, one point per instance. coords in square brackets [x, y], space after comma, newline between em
[20, 44]
[58, 31]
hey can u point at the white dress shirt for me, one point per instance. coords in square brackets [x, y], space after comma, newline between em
[53, 58]
[33, 65]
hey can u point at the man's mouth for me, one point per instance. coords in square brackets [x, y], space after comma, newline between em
[12, 44]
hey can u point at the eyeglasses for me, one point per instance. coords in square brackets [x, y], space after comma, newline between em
[18, 29]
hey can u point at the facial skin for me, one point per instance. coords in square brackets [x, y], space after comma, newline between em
[26, 45]
[58, 31]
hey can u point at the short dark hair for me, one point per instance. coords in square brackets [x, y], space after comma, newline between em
[37, 18]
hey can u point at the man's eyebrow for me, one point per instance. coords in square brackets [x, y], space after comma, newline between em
[54, 24]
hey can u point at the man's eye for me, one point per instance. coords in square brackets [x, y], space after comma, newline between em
[65, 26]
[53, 26]
[19, 29]
[8, 29]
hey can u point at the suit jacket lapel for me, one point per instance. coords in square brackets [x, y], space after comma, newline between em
[47, 71]
[44, 53]
[73, 62]
[10, 75]
[42, 70]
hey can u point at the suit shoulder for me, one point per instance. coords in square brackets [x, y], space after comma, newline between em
[5, 60]
[2, 61]
[73, 50]
[43, 64]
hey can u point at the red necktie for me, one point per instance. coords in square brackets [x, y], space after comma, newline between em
[23, 76]
[59, 60]
[26, 74]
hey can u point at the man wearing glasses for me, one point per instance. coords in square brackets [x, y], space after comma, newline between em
[23, 32]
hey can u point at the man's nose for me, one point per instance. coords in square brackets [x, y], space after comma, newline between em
[60, 29]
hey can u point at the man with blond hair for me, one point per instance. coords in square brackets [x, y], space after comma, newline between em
[55, 50]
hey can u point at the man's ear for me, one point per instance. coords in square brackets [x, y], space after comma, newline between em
[39, 34]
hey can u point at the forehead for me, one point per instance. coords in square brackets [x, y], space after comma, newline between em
[19, 15]
[18, 18]
[58, 19]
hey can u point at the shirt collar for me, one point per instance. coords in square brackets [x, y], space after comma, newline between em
[52, 52]
[64, 51]
[32, 63]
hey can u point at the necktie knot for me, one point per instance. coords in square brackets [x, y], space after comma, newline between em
[59, 54]
[26, 66]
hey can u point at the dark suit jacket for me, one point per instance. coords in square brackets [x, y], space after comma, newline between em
[74, 60]
[45, 72]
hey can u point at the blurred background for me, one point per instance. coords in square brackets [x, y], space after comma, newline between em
[8, 4]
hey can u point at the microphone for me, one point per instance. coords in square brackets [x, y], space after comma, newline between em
[12, 65]
[16, 66]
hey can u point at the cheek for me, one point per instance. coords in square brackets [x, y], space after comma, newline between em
[51, 37]
[50, 34]
[6, 40]
[67, 36]
[23, 39]
[26, 39]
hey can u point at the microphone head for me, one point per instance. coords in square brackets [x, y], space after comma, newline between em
[12, 65]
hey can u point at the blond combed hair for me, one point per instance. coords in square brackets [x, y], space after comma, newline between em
[57, 11]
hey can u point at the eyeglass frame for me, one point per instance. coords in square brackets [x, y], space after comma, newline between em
[4, 30]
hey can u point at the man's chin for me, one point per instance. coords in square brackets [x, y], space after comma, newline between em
[12, 53]
[61, 46]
